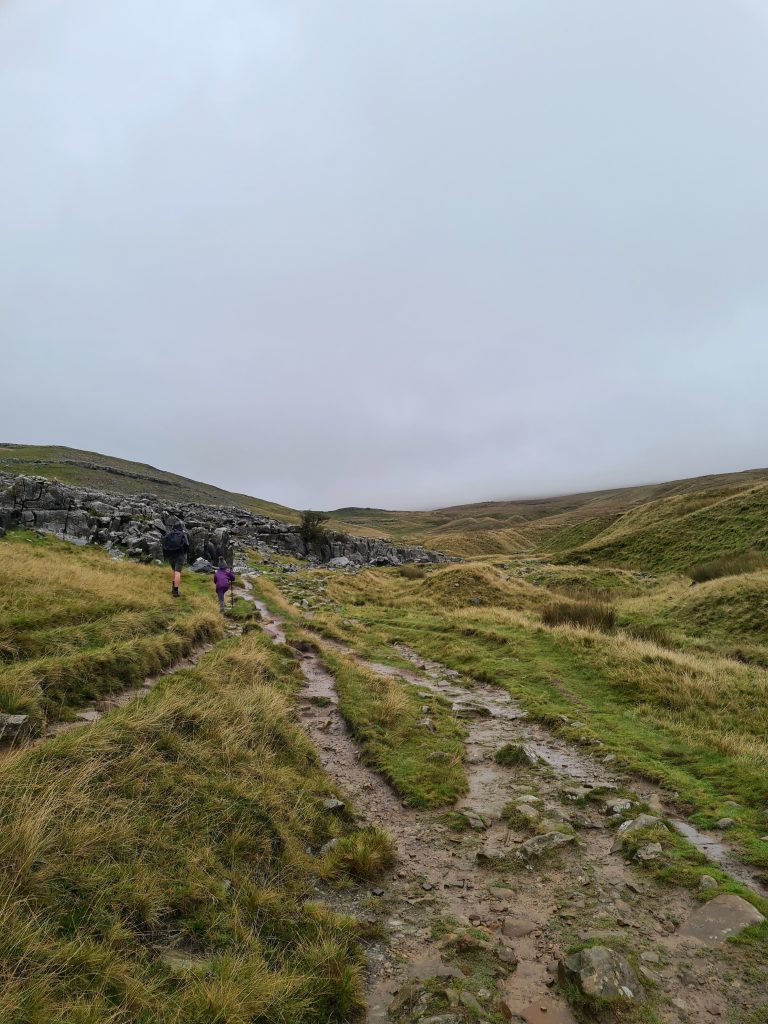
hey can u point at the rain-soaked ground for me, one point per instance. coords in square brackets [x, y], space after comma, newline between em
[520, 916]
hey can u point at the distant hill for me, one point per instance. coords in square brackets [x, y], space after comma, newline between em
[107, 473]
[623, 525]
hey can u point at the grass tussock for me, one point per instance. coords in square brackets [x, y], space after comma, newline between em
[729, 565]
[75, 625]
[587, 614]
[154, 868]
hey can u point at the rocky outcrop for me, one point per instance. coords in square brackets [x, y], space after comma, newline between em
[134, 525]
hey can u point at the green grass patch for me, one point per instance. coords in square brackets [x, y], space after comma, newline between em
[420, 753]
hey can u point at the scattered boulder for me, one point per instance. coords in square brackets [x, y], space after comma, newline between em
[340, 562]
[719, 919]
[651, 851]
[618, 806]
[707, 882]
[517, 927]
[13, 727]
[600, 973]
[725, 823]
[332, 804]
[625, 829]
[201, 565]
[537, 846]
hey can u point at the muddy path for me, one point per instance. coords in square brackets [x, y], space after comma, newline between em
[474, 931]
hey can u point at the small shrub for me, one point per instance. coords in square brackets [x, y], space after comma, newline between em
[729, 565]
[412, 572]
[311, 527]
[591, 614]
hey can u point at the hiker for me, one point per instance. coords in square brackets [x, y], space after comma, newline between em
[223, 579]
[175, 548]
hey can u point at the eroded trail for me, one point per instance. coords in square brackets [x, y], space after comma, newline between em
[502, 928]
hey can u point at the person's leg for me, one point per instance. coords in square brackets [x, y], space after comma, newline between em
[220, 595]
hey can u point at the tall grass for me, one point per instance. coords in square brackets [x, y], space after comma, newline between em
[157, 867]
[589, 614]
[729, 565]
[74, 624]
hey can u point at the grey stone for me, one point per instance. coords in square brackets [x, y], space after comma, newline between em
[332, 804]
[618, 806]
[719, 919]
[601, 973]
[12, 727]
[340, 562]
[651, 851]
[724, 823]
[625, 829]
[707, 882]
[537, 846]
[517, 927]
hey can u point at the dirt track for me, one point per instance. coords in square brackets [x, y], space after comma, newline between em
[582, 892]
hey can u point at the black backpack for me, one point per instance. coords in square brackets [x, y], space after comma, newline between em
[173, 541]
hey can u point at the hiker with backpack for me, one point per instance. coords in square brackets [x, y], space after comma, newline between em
[223, 579]
[175, 548]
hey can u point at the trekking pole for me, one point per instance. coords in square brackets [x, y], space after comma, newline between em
[232, 587]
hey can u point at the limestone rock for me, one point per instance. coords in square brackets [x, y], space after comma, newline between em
[332, 804]
[601, 973]
[651, 851]
[537, 846]
[715, 921]
[13, 726]
[517, 927]
[641, 821]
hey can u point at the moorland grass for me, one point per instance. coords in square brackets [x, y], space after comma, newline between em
[729, 565]
[75, 624]
[152, 868]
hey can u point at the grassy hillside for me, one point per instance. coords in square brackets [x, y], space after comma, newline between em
[151, 868]
[105, 472]
[76, 625]
[549, 524]
[673, 534]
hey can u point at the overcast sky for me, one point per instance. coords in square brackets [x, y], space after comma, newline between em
[401, 253]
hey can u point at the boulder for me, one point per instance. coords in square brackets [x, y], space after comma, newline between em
[201, 565]
[719, 919]
[641, 821]
[340, 562]
[600, 973]
[537, 846]
[12, 727]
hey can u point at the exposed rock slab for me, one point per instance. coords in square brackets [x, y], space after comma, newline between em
[719, 919]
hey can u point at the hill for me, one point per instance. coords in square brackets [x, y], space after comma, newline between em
[559, 523]
[105, 472]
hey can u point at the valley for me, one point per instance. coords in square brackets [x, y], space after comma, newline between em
[521, 786]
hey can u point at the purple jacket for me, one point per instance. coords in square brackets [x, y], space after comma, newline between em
[222, 578]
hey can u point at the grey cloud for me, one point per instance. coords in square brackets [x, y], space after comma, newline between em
[397, 254]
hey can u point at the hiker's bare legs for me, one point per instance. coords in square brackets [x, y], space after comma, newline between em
[176, 578]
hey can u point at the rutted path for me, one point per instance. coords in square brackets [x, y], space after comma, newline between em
[519, 918]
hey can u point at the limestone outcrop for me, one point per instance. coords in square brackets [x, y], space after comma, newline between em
[134, 525]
